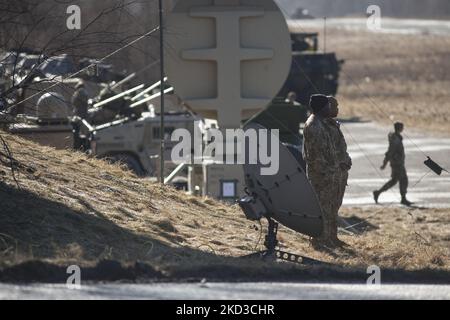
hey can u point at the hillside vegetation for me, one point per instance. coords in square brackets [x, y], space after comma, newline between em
[65, 208]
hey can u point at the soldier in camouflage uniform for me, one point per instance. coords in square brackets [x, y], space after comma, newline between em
[344, 160]
[80, 101]
[107, 112]
[322, 165]
[396, 157]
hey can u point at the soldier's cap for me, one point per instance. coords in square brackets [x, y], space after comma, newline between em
[318, 102]
[398, 125]
[332, 100]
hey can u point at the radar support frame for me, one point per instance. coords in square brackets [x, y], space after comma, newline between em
[272, 253]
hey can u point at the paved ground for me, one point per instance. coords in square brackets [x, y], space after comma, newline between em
[367, 145]
[228, 291]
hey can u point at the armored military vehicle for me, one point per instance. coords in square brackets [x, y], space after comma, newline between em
[54, 132]
[312, 71]
[134, 141]
[99, 72]
[49, 125]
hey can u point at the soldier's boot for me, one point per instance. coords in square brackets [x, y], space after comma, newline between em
[405, 201]
[386, 187]
[329, 237]
[338, 243]
[325, 239]
[324, 242]
[376, 195]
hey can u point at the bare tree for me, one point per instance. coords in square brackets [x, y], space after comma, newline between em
[119, 30]
[39, 26]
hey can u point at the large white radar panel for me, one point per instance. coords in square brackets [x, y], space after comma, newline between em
[227, 59]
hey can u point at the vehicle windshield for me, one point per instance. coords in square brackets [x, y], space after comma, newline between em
[58, 66]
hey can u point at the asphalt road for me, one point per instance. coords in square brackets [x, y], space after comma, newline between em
[227, 291]
[367, 144]
[388, 25]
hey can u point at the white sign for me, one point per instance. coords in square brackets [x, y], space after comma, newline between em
[228, 189]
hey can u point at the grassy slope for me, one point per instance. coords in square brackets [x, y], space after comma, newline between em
[73, 209]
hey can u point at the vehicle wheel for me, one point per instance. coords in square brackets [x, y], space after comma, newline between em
[129, 161]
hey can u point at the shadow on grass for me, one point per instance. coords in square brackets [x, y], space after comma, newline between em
[356, 225]
[37, 236]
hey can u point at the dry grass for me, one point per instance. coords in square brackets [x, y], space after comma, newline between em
[73, 208]
[391, 76]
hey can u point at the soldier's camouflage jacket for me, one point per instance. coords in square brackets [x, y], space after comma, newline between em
[319, 151]
[396, 152]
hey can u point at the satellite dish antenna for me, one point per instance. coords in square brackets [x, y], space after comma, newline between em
[286, 197]
[227, 59]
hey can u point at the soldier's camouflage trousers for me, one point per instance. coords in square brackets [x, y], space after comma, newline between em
[327, 189]
[399, 175]
[343, 179]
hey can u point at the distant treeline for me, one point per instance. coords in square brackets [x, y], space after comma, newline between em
[426, 9]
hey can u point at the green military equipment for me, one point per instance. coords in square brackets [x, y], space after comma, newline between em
[434, 166]
[284, 116]
[311, 71]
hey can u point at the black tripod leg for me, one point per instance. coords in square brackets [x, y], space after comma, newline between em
[272, 254]
[271, 238]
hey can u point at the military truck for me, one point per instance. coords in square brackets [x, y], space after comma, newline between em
[311, 71]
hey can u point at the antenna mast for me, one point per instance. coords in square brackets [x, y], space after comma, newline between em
[162, 129]
[325, 34]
